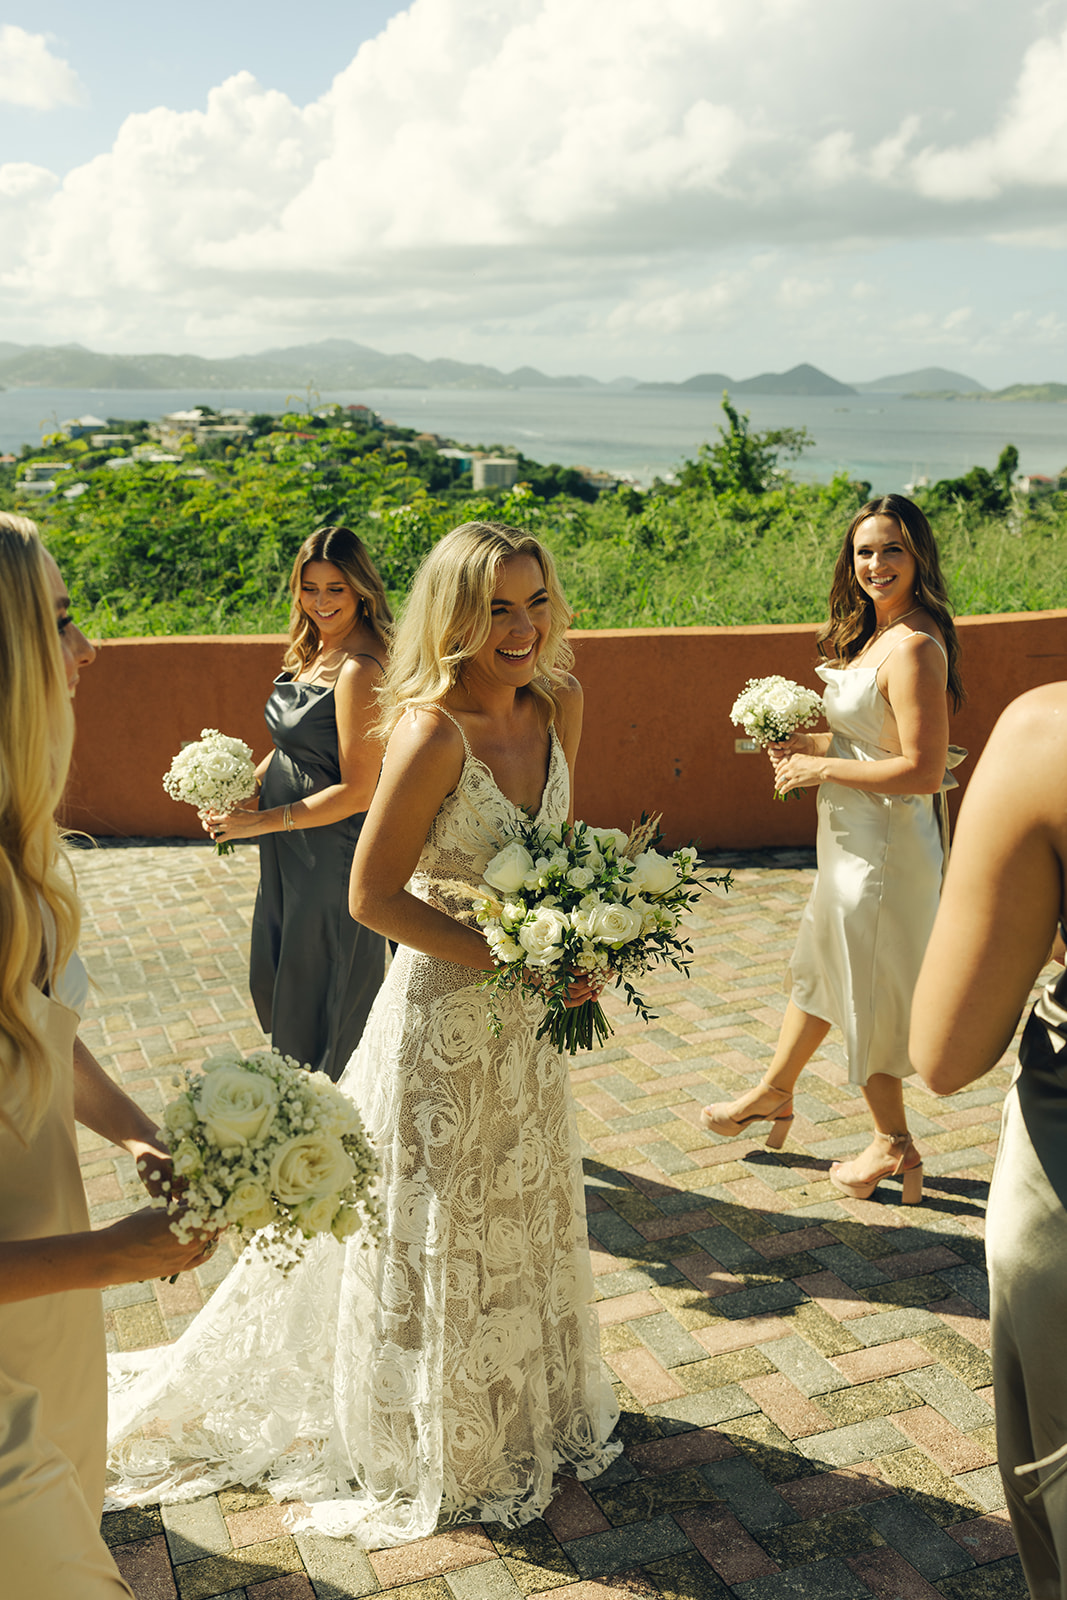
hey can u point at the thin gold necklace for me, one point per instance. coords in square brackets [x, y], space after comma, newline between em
[887, 625]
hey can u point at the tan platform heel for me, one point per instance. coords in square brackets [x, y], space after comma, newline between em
[720, 1119]
[898, 1147]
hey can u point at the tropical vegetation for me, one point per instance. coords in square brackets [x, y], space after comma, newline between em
[204, 543]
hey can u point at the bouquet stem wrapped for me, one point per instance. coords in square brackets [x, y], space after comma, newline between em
[565, 903]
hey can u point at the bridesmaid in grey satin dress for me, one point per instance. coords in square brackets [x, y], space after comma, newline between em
[314, 972]
[1003, 902]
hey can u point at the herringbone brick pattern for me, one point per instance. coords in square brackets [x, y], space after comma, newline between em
[804, 1379]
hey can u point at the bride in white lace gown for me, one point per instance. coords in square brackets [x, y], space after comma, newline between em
[447, 1374]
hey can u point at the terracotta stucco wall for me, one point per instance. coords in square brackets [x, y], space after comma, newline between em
[657, 729]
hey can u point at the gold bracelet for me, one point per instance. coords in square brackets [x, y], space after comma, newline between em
[287, 819]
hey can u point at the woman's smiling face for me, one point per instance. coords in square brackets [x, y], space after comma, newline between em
[885, 568]
[328, 599]
[520, 622]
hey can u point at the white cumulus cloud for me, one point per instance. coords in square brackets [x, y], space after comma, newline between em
[30, 75]
[614, 168]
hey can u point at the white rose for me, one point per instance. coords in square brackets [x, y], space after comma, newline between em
[508, 870]
[505, 950]
[179, 1116]
[614, 924]
[346, 1222]
[249, 1205]
[236, 1106]
[309, 1167]
[512, 913]
[316, 1216]
[580, 877]
[653, 873]
[186, 1159]
[542, 936]
[612, 841]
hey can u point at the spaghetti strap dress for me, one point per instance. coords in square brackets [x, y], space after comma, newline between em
[53, 1382]
[880, 861]
[448, 1373]
[313, 971]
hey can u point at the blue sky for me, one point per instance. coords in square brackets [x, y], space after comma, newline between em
[608, 187]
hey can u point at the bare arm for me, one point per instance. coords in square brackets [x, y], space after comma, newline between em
[101, 1105]
[569, 728]
[1003, 894]
[136, 1247]
[915, 680]
[360, 758]
[128, 1251]
[423, 764]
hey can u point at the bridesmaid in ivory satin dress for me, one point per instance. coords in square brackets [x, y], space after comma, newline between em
[890, 652]
[53, 1390]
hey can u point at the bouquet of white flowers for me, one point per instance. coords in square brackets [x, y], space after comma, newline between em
[584, 902]
[264, 1143]
[214, 772]
[774, 708]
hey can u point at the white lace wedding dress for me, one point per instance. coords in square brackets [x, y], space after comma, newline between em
[447, 1374]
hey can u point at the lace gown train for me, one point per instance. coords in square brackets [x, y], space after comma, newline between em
[448, 1373]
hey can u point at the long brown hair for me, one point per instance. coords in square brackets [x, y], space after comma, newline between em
[346, 551]
[852, 621]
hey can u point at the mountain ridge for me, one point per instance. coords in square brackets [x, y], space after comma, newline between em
[336, 363]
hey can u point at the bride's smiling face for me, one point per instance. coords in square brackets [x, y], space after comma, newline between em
[520, 621]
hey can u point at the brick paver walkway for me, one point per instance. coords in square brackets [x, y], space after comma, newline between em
[804, 1379]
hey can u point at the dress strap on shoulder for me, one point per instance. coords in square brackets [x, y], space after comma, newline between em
[361, 655]
[458, 724]
[929, 636]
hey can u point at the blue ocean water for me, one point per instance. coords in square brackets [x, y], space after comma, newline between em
[886, 439]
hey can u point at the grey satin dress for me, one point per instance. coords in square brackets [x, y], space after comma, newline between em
[314, 972]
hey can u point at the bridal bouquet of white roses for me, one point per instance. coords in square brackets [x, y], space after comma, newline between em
[584, 902]
[261, 1142]
[215, 772]
[774, 708]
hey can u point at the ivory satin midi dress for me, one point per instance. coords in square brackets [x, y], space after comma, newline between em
[53, 1365]
[880, 864]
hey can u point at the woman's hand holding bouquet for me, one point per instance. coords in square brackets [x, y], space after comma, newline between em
[572, 909]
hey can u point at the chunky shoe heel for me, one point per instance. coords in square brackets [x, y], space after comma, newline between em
[899, 1147]
[911, 1185]
[780, 1127]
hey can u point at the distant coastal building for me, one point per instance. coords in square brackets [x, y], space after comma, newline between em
[78, 427]
[464, 457]
[40, 478]
[495, 472]
[200, 426]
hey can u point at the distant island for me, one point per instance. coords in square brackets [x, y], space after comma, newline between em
[332, 364]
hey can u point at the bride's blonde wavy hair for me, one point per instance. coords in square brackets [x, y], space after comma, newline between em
[36, 735]
[448, 615]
